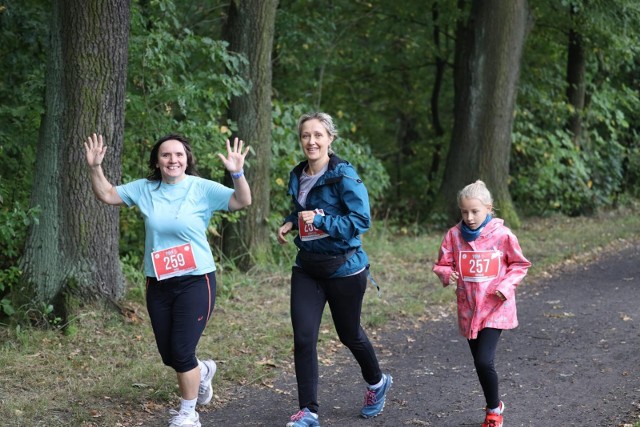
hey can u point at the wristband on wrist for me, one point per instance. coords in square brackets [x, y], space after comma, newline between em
[238, 174]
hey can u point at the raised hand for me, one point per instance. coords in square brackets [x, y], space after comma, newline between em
[95, 150]
[235, 156]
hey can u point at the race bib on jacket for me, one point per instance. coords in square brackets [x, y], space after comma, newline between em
[173, 261]
[479, 266]
[309, 231]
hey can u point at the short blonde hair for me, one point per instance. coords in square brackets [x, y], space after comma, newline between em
[477, 190]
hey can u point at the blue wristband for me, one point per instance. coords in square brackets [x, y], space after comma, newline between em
[237, 174]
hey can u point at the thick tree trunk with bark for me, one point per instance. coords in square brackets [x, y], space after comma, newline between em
[74, 248]
[487, 67]
[250, 30]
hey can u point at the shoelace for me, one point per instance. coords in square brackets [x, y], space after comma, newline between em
[370, 398]
[202, 388]
[204, 385]
[298, 416]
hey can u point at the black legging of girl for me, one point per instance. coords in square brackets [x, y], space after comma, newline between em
[483, 350]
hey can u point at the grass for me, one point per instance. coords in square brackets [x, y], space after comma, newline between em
[107, 371]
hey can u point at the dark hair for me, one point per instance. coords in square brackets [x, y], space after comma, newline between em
[154, 171]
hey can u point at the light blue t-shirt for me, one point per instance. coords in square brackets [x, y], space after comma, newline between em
[175, 214]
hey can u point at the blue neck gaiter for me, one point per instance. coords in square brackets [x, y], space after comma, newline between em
[470, 235]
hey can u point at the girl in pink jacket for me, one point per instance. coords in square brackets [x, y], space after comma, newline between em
[483, 259]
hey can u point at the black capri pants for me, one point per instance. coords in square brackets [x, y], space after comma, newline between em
[179, 309]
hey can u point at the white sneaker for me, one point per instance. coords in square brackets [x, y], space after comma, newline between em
[205, 391]
[184, 419]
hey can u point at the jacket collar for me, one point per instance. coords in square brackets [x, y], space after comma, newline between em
[334, 161]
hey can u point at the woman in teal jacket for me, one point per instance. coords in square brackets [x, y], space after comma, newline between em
[331, 212]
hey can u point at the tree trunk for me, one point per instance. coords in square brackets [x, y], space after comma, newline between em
[441, 64]
[74, 248]
[250, 30]
[576, 66]
[486, 71]
[440, 68]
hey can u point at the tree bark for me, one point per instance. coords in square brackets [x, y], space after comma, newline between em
[486, 72]
[74, 248]
[250, 30]
[440, 68]
[576, 68]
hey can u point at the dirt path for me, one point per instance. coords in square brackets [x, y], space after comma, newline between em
[574, 361]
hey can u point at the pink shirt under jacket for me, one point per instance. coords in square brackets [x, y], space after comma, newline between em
[478, 305]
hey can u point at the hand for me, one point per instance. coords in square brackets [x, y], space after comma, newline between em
[307, 216]
[95, 150]
[453, 278]
[282, 231]
[235, 157]
[501, 296]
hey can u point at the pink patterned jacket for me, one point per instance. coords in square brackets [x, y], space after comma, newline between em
[493, 262]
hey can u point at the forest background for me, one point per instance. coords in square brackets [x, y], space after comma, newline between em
[539, 99]
[423, 103]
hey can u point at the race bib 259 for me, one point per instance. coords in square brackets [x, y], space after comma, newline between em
[173, 261]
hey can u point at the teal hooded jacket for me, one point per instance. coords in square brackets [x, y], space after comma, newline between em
[343, 197]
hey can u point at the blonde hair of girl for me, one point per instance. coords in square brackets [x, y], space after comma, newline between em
[477, 190]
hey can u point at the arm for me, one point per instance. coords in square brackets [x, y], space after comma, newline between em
[444, 268]
[357, 217]
[516, 267]
[241, 198]
[102, 188]
[234, 162]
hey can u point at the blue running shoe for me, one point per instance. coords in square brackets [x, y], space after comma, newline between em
[374, 399]
[303, 418]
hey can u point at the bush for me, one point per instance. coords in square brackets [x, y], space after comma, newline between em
[15, 221]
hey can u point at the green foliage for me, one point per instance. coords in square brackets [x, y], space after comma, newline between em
[369, 64]
[552, 173]
[551, 170]
[133, 270]
[179, 82]
[46, 313]
[15, 221]
[375, 61]
[23, 32]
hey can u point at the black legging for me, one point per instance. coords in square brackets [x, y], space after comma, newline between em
[308, 298]
[483, 350]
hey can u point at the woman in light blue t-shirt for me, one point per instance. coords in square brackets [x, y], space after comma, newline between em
[176, 206]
